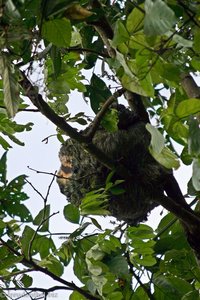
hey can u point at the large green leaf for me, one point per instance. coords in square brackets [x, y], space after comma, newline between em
[134, 21]
[188, 107]
[71, 213]
[121, 35]
[169, 287]
[42, 219]
[98, 92]
[162, 154]
[196, 174]
[57, 32]
[159, 18]
[194, 137]
[10, 86]
[52, 264]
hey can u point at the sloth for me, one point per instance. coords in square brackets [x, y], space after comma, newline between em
[148, 181]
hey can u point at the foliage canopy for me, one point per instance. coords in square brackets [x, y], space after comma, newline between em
[149, 52]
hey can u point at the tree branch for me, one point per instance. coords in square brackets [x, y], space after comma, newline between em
[23, 109]
[36, 267]
[79, 49]
[61, 123]
[38, 289]
[97, 120]
[189, 218]
[103, 28]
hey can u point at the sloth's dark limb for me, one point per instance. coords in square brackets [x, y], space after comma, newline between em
[136, 105]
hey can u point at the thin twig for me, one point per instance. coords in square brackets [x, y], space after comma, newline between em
[36, 231]
[145, 288]
[38, 192]
[79, 49]
[49, 187]
[23, 109]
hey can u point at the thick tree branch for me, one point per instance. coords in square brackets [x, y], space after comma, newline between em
[46, 110]
[186, 216]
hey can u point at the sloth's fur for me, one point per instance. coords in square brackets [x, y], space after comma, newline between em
[127, 146]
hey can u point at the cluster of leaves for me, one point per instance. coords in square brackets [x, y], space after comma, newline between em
[154, 44]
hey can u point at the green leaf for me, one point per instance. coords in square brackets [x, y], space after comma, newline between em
[115, 296]
[3, 168]
[196, 174]
[76, 296]
[26, 280]
[169, 287]
[57, 31]
[3, 296]
[139, 294]
[162, 154]
[110, 120]
[27, 236]
[157, 140]
[193, 295]
[71, 213]
[19, 210]
[145, 260]
[142, 231]
[118, 265]
[15, 187]
[4, 143]
[95, 202]
[10, 86]
[194, 137]
[188, 107]
[166, 158]
[79, 230]
[56, 59]
[134, 21]
[9, 261]
[98, 92]
[120, 34]
[196, 45]
[181, 41]
[94, 221]
[133, 80]
[134, 85]
[159, 18]
[52, 264]
[41, 216]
